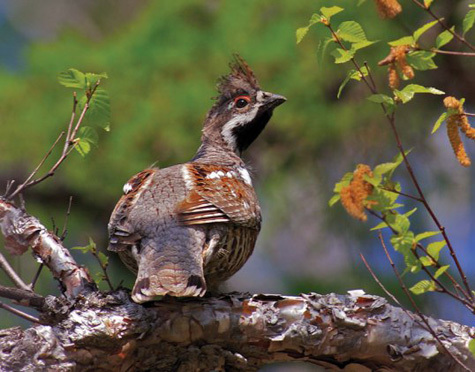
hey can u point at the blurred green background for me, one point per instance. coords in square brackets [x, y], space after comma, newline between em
[163, 59]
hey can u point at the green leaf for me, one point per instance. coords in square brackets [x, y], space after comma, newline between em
[406, 94]
[406, 40]
[441, 270]
[422, 287]
[103, 259]
[418, 33]
[421, 60]
[351, 31]
[352, 75]
[91, 247]
[439, 122]
[328, 12]
[92, 79]
[379, 226]
[334, 199]
[342, 56]
[403, 243]
[381, 98]
[468, 21]
[433, 249]
[86, 137]
[99, 111]
[73, 78]
[427, 3]
[427, 261]
[361, 44]
[426, 235]
[471, 346]
[444, 38]
[345, 181]
[300, 33]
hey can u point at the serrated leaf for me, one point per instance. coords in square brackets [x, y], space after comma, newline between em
[427, 3]
[300, 33]
[421, 30]
[421, 60]
[433, 249]
[406, 40]
[361, 44]
[73, 78]
[334, 199]
[403, 244]
[441, 270]
[99, 111]
[380, 98]
[92, 79]
[342, 56]
[468, 21]
[328, 12]
[426, 235]
[444, 38]
[351, 31]
[423, 286]
[439, 122]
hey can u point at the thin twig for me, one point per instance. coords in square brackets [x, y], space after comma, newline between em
[467, 114]
[447, 28]
[20, 313]
[450, 52]
[370, 75]
[403, 194]
[65, 226]
[23, 297]
[37, 275]
[11, 273]
[70, 125]
[416, 308]
[368, 267]
[23, 186]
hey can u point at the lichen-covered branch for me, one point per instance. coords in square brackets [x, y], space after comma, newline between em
[234, 332]
[20, 231]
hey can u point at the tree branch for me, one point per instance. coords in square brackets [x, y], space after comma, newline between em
[235, 332]
[22, 230]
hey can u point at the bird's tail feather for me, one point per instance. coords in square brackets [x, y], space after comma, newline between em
[168, 270]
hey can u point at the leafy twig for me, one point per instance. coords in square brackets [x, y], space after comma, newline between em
[416, 308]
[455, 34]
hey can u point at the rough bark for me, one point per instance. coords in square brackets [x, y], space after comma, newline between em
[231, 332]
[89, 330]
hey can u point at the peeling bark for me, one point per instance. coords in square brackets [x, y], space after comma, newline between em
[232, 332]
[21, 230]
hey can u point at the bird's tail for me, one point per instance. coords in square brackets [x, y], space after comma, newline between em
[166, 269]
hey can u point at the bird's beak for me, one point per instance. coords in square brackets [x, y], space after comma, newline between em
[271, 100]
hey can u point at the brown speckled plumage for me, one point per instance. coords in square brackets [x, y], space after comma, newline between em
[189, 227]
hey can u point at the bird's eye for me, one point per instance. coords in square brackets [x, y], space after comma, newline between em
[241, 101]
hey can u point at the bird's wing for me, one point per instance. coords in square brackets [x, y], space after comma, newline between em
[121, 233]
[218, 194]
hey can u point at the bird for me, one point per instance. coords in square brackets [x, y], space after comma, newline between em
[186, 229]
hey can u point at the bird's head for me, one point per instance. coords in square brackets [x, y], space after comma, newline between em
[241, 111]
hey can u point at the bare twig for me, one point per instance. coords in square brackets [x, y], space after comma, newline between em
[20, 313]
[23, 297]
[65, 226]
[416, 308]
[450, 52]
[37, 275]
[11, 273]
[385, 290]
[403, 194]
[103, 268]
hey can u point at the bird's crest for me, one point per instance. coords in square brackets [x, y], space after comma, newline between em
[241, 77]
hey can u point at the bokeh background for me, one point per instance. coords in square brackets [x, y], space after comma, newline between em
[163, 59]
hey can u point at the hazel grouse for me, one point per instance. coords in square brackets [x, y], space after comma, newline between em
[191, 226]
